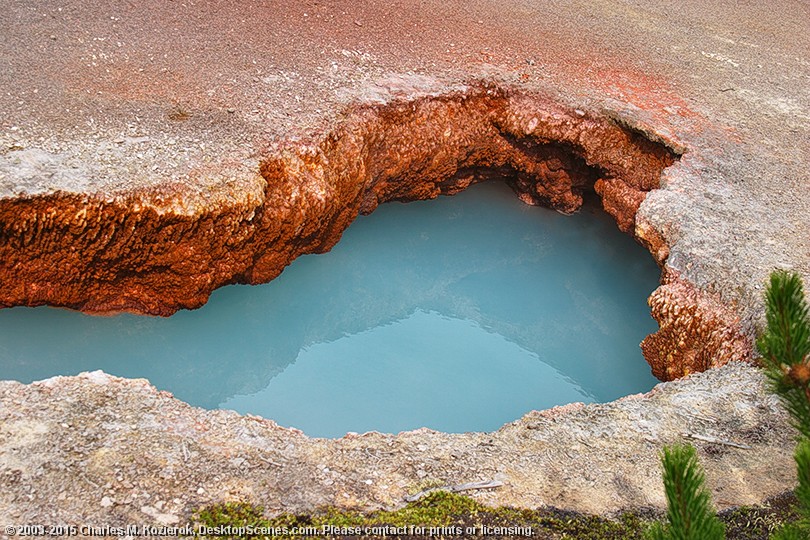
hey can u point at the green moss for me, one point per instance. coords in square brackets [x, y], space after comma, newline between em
[452, 515]
[234, 514]
[436, 509]
[759, 522]
[448, 514]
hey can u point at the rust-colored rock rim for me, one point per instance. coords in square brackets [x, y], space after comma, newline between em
[128, 253]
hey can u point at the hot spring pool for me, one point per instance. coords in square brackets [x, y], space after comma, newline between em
[458, 314]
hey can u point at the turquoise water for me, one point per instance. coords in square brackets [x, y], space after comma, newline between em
[458, 314]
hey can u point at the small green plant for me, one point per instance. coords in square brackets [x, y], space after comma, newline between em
[785, 349]
[785, 346]
[690, 515]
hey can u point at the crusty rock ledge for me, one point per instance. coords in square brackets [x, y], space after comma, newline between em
[96, 449]
[167, 247]
[161, 249]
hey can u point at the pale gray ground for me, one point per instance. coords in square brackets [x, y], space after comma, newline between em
[97, 449]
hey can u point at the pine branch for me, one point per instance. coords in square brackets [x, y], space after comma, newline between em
[802, 457]
[787, 315]
[785, 346]
[690, 515]
[785, 349]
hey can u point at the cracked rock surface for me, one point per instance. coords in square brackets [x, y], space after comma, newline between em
[146, 452]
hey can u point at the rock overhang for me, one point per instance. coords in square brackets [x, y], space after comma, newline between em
[167, 245]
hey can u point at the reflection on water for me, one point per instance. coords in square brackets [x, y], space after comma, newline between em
[427, 369]
[459, 314]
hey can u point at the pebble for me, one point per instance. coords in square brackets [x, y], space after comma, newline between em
[163, 519]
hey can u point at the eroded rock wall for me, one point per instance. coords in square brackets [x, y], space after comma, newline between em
[127, 253]
[696, 331]
[133, 252]
[96, 254]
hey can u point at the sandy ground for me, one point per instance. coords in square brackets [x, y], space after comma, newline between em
[97, 449]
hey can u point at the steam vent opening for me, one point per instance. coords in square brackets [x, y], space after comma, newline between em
[458, 315]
